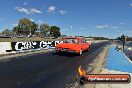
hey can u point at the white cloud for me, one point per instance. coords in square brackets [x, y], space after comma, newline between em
[82, 28]
[23, 10]
[122, 23]
[25, 3]
[16, 24]
[39, 21]
[114, 27]
[99, 27]
[131, 4]
[31, 20]
[65, 29]
[71, 26]
[51, 9]
[106, 26]
[102, 26]
[28, 11]
[34, 10]
[62, 12]
[127, 32]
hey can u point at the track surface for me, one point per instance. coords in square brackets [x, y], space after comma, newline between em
[47, 70]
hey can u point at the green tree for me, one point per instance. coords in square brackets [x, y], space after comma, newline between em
[17, 31]
[7, 32]
[34, 27]
[44, 29]
[55, 31]
[27, 26]
[119, 38]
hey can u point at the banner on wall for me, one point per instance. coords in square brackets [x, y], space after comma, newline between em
[18, 46]
[4, 46]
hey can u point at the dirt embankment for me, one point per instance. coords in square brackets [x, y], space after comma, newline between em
[97, 65]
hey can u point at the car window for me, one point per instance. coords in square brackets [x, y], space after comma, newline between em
[83, 41]
[70, 41]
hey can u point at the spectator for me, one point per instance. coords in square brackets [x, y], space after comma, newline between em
[117, 48]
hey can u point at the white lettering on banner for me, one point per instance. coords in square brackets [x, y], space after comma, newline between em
[44, 44]
[18, 43]
[13, 46]
[25, 45]
[29, 45]
[35, 45]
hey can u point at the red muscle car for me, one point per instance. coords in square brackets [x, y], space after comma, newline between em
[73, 44]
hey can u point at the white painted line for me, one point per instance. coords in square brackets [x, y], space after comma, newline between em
[127, 58]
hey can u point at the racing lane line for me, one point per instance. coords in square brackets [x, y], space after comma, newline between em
[127, 58]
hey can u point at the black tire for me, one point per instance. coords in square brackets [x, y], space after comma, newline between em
[57, 52]
[88, 49]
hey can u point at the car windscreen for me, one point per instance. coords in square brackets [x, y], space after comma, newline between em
[70, 40]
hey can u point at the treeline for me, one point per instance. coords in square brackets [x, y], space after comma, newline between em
[94, 38]
[125, 38]
[27, 27]
[98, 38]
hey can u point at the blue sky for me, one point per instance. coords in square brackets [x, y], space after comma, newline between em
[108, 18]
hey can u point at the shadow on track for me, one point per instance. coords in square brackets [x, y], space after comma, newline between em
[67, 54]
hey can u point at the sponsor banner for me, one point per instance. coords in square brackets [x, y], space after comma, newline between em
[106, 78]
[4, 46]
[102, 78]
[18, 46]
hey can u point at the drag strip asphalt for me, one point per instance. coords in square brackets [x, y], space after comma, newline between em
[45, 70]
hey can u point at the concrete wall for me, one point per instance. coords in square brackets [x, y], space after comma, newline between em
[19, 46]
[5, 46]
